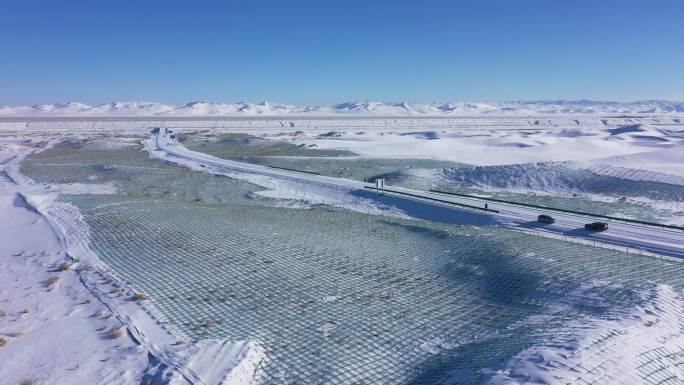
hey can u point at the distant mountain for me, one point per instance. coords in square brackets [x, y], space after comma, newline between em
[371, 108]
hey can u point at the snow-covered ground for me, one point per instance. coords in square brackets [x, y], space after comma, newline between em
[626, 345]
[337, 191]
[66, 319]
[53, 330]
[524, 161]
[631, 346]
[483, 146]
[126, 341]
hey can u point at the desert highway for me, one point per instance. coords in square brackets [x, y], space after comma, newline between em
[621, 235]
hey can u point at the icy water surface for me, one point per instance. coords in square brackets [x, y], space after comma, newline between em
[338, 297]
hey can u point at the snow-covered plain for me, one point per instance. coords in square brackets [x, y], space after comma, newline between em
[499, 146]
[82, 306]
[627, 338]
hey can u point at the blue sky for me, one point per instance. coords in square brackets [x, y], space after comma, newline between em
[319, 52]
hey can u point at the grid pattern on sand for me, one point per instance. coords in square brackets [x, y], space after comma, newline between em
[345, 298]
[341, 297]
[126, 166]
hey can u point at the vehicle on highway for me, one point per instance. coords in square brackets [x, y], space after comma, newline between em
[543, 218]
[596, 226]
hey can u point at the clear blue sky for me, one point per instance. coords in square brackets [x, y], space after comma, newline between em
[311, 52]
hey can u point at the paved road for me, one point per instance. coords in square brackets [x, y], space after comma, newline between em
[621, 235]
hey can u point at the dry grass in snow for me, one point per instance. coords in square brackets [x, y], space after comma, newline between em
[52, 281]
[64, 266]
[118, 332]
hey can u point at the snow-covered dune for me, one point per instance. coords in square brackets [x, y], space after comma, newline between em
[372, 108]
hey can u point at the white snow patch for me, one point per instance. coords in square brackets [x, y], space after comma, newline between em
[62, 343]
[482, 147]
[643, 344]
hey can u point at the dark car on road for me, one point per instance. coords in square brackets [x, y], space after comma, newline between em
[543, 218]
[596, 226]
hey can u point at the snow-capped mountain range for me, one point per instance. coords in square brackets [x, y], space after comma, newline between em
[515, 108]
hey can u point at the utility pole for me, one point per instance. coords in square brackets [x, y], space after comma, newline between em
[380, 185]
